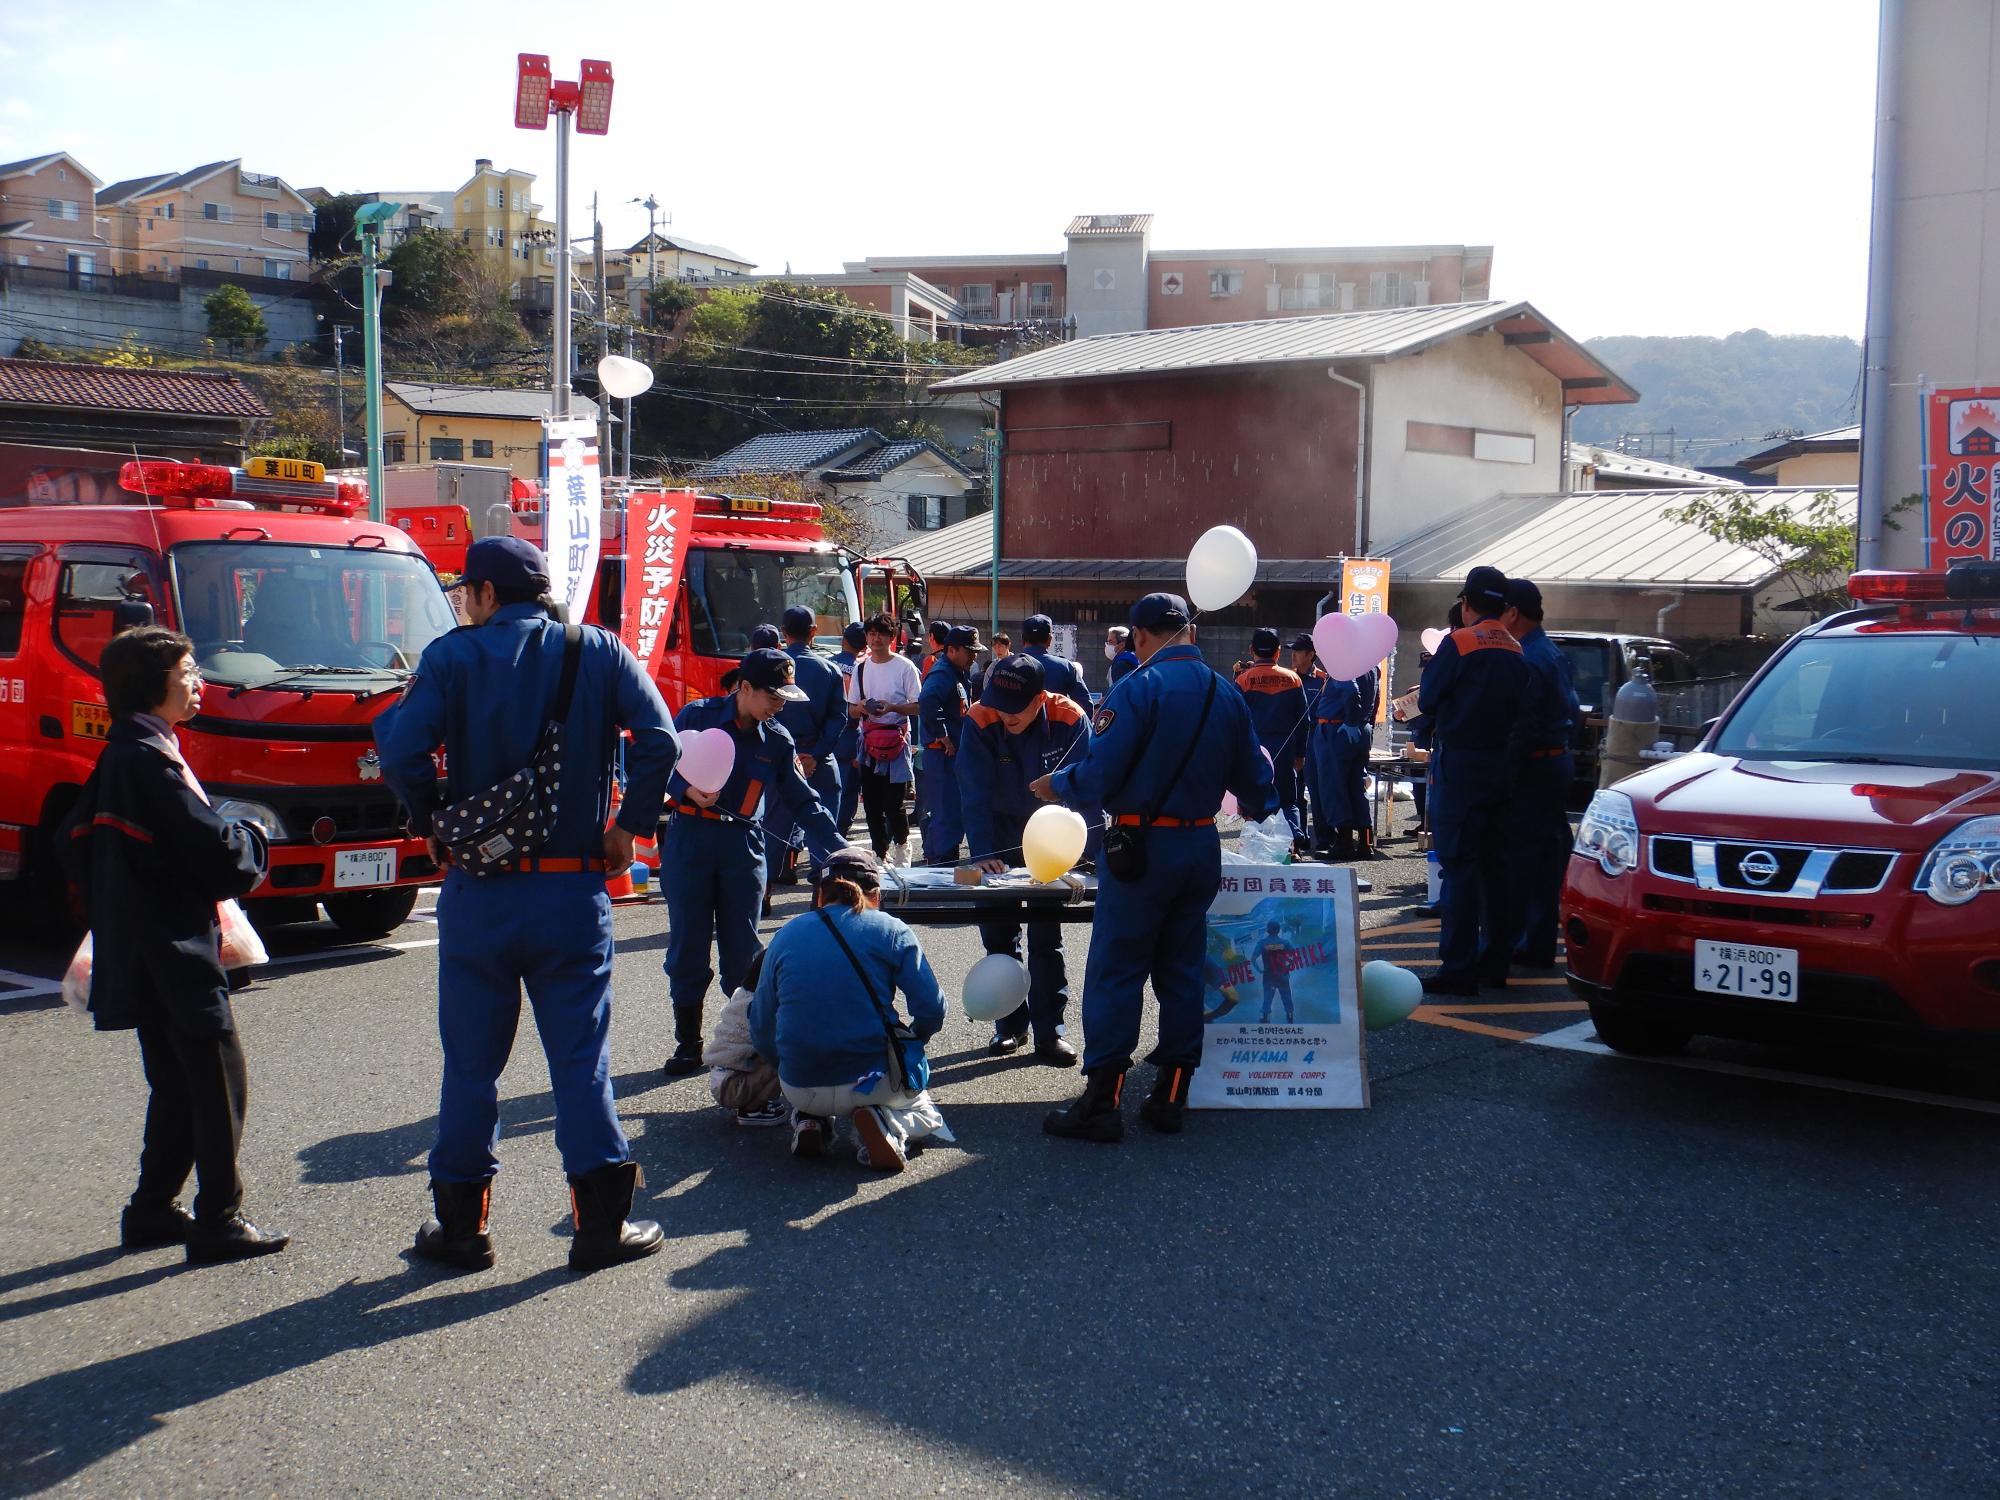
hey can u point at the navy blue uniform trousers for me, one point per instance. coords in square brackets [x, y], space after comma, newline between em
[713, 873]
[1539, 838]
[551, 933]
[939, 817]
[1470, 792]
[1048, 971]
[1154, 928]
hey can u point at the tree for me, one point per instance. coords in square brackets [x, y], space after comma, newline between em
[1812, 549]
[333, 224]
[234, 318]
[448, 306]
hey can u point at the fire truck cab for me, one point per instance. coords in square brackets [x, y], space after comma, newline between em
[306, 623]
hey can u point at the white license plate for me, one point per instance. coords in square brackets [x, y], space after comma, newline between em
[1747, 970]
[364, 867]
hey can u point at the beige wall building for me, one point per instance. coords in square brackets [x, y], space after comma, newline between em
[218, 218]
[468, 424]
[48, 216]
[1830, 458]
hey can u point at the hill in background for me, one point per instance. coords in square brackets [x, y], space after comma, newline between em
[1723, 398]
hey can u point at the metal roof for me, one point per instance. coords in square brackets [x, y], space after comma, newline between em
[1375, 334]
[693, 247]
[482, 401]
[1616, 538]
[1088, 224]
[1833, 440]
[1632, 466]
[965, 550]
[791, 452]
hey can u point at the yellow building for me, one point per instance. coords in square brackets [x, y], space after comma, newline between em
[495, 213]
[1832, 457]
[474, 424]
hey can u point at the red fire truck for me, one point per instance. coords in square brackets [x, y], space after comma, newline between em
[306, 623]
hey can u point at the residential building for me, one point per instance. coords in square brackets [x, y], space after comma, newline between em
[215, 223]
[1832, 457]
[895, 486]
[632, 272]
[48, 217]
[1589, 467]
[915, 309]
[469, 424]
[201, 418]
[1109, 279]
[494, 211]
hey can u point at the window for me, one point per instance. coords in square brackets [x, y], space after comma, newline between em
[465, 236]
[63, 208]
[1224, 283]
[166, 210]
[278, 270]
[276, 221]
[62, 174]
[200, 264]
[493, 197]
[730, 593]
[395, 450]
[94, 601]
[447, 450]
[926, 512]
[220, 213]
[977, 297]
[482, 447]
[1041, 298]
[1385, 288]
[13, 599]
[236, 265]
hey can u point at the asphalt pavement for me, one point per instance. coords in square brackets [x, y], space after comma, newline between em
[1529, 1269]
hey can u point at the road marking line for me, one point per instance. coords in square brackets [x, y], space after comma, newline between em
[32, 986]
[360, 950]
[1496, 1008]
[1433, 1017]
[1582, 1037]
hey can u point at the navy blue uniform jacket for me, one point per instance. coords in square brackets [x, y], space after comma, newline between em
[995, 769]
[1472, 688]
[815, 724]
[767, 767]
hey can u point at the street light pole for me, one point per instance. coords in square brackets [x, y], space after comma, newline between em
[537, 95]
[368, 223]
[560, 404]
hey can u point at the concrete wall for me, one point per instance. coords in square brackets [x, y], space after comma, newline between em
[1945, 303]
[1475, 381]
[88, 320]
[1120, 306]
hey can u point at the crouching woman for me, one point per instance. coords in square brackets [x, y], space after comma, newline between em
[825, 1010]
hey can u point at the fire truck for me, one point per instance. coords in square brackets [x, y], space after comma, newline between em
[306, 620]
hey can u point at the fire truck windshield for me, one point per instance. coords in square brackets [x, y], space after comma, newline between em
[271, 613]
[731, 591]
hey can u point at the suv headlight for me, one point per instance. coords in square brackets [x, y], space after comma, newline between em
[1609, 833]
[1963, 863]
[242, 810]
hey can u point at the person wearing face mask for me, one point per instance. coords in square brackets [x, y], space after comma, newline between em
[1118, 651]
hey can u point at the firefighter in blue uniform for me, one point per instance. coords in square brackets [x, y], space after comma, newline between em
[1305, 667]
[712, 852]
[1343, 728]
[815, 725]
[1540, 837]
[1472, 691]
[1277, 702]
[941, 705]
[482, 692]
[1168, 742]
[1015, 734]
[1065, 677]
[853, 641]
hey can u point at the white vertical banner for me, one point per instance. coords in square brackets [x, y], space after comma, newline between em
[572, 501]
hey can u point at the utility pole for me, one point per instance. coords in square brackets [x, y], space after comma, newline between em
[368, 222]
[339, 399]
[652, 206]
[627, 466]
[603, 340]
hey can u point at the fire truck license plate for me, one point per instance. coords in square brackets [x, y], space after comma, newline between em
[1748, 970]
[364, 867]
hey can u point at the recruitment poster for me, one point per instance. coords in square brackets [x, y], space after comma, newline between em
[1364, 590]
[1961, 442]
[572, 515]
[1282, 992]
[656, 544]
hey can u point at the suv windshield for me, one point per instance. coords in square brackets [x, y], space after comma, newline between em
[1905, 699]
[1589, 666]
[732, 591]
[263, 611]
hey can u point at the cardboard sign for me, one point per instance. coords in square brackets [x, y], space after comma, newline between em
[1282, 992]
[1961, 444]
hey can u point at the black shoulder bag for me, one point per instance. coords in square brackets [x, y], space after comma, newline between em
[1125, 843]
[909, 1071]
[493, 831]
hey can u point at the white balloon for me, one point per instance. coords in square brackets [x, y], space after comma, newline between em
[996, 986]
[1389, 993]
[1221, 568]
[623, 378]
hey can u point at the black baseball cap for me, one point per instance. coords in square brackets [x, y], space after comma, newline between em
[798, 620]
[1485, 590]
[966, 636]
[1303, 641]
[506, 562]
[1524, 595]
[762, 636]
[1157, 612]
[853, 863]
[1038, 628]
[770, 669]
[1264, 640]
[855, 634]
[1012, 683]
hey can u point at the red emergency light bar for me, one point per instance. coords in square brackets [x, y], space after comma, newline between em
[739, 506]
[1966, 578]
[187, 486]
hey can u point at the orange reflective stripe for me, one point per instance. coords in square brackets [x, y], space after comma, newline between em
[751, 797]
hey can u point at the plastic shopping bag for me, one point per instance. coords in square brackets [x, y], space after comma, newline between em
[241, 947]
[76, 979]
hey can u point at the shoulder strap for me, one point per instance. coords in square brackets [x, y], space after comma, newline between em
[1207, 702]
[888, 1020]
[566, 688]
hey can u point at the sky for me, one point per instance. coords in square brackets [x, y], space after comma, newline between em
[1640, 168]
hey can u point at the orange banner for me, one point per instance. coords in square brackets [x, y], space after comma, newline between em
[1364, 590]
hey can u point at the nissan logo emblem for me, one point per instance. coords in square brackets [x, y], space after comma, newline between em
[1759, 867]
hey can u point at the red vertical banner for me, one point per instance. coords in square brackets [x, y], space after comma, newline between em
[1963, 443]
[657, 526]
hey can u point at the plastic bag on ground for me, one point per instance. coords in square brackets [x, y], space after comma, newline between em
[1268, 842]
[76, 979]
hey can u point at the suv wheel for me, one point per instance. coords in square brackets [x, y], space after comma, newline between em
[1622, 1031]
[371, 914]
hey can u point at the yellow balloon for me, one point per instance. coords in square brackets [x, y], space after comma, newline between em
[1052, 842]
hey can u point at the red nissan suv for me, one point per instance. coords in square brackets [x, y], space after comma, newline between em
[1826, 862]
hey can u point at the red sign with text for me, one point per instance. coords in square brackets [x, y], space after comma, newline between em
[657, 527]
[1964, 445]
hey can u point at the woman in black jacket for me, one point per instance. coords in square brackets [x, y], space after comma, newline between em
[153, 859]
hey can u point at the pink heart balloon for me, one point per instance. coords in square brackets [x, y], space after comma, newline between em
[1433, 638]
[1378, 633]
[707, 758]
[1333, 640]
[1229, 803]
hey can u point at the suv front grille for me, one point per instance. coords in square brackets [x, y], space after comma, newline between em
[357, 813]
[1787, 872]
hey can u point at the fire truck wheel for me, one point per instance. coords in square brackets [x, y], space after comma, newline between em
[1623, 1032]
[371, 914]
